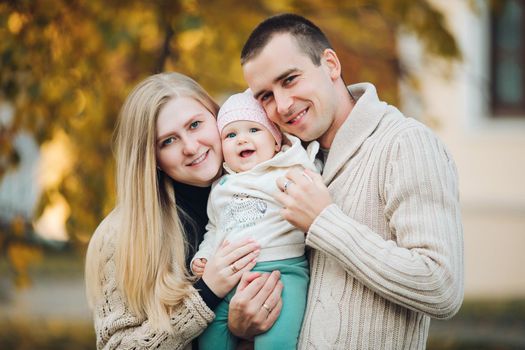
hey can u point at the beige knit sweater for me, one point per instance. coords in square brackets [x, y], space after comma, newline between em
[387, 255]
[117, 328]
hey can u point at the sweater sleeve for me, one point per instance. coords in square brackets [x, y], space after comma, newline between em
[421, 268]
[117, 328]
[208, 246]
[207, 294]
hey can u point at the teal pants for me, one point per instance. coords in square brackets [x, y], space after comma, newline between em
[285, 331]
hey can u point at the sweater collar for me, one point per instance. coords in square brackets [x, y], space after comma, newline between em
[359, 125]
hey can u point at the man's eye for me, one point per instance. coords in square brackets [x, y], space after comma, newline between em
[230, 135]
[265, 97]
[289, 79]
[195, 124]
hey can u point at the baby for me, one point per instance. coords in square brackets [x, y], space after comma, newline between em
[241, 205]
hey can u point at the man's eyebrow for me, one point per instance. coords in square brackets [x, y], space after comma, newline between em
[276, 80]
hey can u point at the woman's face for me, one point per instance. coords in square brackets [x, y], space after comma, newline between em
[188, 145]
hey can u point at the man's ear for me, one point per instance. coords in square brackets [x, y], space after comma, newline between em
[330, 60]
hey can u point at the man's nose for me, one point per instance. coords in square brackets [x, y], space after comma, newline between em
[283, 102]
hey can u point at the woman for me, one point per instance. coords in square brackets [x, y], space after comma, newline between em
[168, 154]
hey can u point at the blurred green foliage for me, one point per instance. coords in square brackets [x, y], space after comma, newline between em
[66, 66]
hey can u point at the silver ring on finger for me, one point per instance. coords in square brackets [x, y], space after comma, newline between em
[233, 268]
[266, 307]
[286, 184]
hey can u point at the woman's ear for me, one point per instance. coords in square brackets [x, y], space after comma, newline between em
[330, 60]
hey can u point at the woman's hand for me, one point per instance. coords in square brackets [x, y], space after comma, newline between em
[226, 268]
[256, 304]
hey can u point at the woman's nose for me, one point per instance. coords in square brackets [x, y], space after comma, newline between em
[190, 146]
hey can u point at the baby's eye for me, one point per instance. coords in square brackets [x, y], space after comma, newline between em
[230, 135]
[254, 129]
[195, 124]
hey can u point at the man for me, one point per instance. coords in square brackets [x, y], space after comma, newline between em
[383, 222]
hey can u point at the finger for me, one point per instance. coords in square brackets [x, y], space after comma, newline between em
[281, 182]
[267, 315]
[299, 177]
[247, 259]
[250, 289]
[307, 176]
[267, 288]
[284, 199]
[281, 198]
[273, 315]
[316, 177]
[250, 265]
[198, 264]
[225, 250]
[246, 279]
[275, 296]
[240, 252]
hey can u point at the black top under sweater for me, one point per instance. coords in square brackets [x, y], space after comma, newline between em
[191, 206]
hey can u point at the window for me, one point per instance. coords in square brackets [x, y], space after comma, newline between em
[508, 59]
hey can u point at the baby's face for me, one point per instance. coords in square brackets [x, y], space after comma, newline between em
[246, 144]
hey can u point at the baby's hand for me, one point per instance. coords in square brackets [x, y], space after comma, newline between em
[198, 266]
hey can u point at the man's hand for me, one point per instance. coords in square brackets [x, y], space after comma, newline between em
[303, 197]
[256, 304]
[198, 266]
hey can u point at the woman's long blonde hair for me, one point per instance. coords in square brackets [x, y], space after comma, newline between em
[150, 247]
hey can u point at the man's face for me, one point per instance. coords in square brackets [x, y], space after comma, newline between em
[297, 95]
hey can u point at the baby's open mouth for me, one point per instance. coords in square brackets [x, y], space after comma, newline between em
[247, 153]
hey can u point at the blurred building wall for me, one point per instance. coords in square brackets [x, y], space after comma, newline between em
[489, 151]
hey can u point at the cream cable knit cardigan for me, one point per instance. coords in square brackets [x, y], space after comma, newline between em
[117, 328]
[387, 255]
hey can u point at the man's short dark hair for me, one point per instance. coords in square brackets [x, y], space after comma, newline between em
[310, 39]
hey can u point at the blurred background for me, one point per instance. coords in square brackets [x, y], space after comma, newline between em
[66, 66]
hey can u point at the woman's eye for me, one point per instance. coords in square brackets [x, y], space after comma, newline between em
[195, 124]
[168, 141]
[230, 135]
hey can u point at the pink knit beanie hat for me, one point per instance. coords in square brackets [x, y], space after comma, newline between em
[243, 106]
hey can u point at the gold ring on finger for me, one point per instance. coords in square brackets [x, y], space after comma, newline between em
[233, 268]
[266, 307]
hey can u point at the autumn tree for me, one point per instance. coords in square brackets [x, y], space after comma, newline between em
[66, 66]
